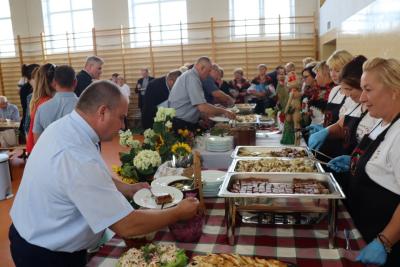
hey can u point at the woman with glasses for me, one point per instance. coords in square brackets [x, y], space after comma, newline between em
[42, 91]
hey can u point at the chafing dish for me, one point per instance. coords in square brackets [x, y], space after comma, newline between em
[291, 207]
[245, 108]
[265, 151]
[311, 163]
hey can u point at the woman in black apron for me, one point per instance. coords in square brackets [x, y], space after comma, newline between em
[336, 63]
[345, 129]
[373, 195]
[349, 142]
[332, 110]
[371, 206]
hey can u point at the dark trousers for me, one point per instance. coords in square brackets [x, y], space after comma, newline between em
[25, 254]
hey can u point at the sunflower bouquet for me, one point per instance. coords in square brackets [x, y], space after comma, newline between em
[160, 144]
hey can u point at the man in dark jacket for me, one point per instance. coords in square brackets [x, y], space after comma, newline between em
[92, 71]
[157, 92]
[141, 86]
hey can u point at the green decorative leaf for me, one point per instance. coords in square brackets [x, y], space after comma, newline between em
[126, 157]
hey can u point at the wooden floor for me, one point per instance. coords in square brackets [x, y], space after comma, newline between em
[110, 154]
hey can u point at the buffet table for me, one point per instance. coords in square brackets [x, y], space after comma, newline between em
[305, 245]
[300, 245]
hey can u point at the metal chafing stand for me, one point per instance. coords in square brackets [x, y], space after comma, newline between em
[269, 202]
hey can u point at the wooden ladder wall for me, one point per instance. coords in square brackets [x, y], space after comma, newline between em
[229, 43]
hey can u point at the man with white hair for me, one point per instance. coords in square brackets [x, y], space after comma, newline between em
[8, 111]
[92, 71]
[187, 97]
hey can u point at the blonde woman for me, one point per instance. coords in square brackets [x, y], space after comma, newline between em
[374, 184]
[42, 91]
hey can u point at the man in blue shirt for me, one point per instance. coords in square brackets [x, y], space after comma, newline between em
[62, 103]
[67, 196]
[212, 93]
[8, 111]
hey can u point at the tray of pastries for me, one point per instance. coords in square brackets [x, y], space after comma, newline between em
[276, 185]
[270, 164]
[271, 151]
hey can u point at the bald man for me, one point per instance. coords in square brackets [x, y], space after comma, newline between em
[67, 197]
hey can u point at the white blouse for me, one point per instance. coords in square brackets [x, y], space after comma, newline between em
[384, 165]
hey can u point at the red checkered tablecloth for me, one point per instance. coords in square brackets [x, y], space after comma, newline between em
[301, 245]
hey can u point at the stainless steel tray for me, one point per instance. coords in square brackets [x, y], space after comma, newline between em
[326, 178]
[232, 167]
[265, 149]
[245, 108]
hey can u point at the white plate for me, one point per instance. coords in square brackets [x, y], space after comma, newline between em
[213, 176]
[144, 198]
[166, 180]
[219, 119]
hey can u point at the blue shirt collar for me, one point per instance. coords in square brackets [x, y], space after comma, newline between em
[85, 127]
[64, 94]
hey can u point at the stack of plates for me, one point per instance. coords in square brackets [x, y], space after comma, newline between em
[212, 180]
[219, 143]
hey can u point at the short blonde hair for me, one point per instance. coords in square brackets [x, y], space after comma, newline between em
[307, 60]
[261, 66]
[338, 59]
[388, 71]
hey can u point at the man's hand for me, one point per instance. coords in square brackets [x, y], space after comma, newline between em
[187, 208]
[229, 114]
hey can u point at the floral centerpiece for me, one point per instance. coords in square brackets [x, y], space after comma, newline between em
[160, 144]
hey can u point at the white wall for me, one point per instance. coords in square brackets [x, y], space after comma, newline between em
[336, 11]
[203, 10]
[26, 16]
[110, 14]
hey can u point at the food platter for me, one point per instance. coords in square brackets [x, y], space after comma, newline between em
[326, 179]
[235, 260]
[270, 164]
[245, 108]
[271, 151]
[264, 204]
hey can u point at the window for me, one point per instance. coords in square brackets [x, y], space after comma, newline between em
[260, 18]
[7, 48]
[165, 18]
[72, 16]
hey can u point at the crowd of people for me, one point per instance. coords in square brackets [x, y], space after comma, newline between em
[352, 106]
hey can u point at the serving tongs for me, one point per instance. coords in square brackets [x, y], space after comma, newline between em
[314, 151]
